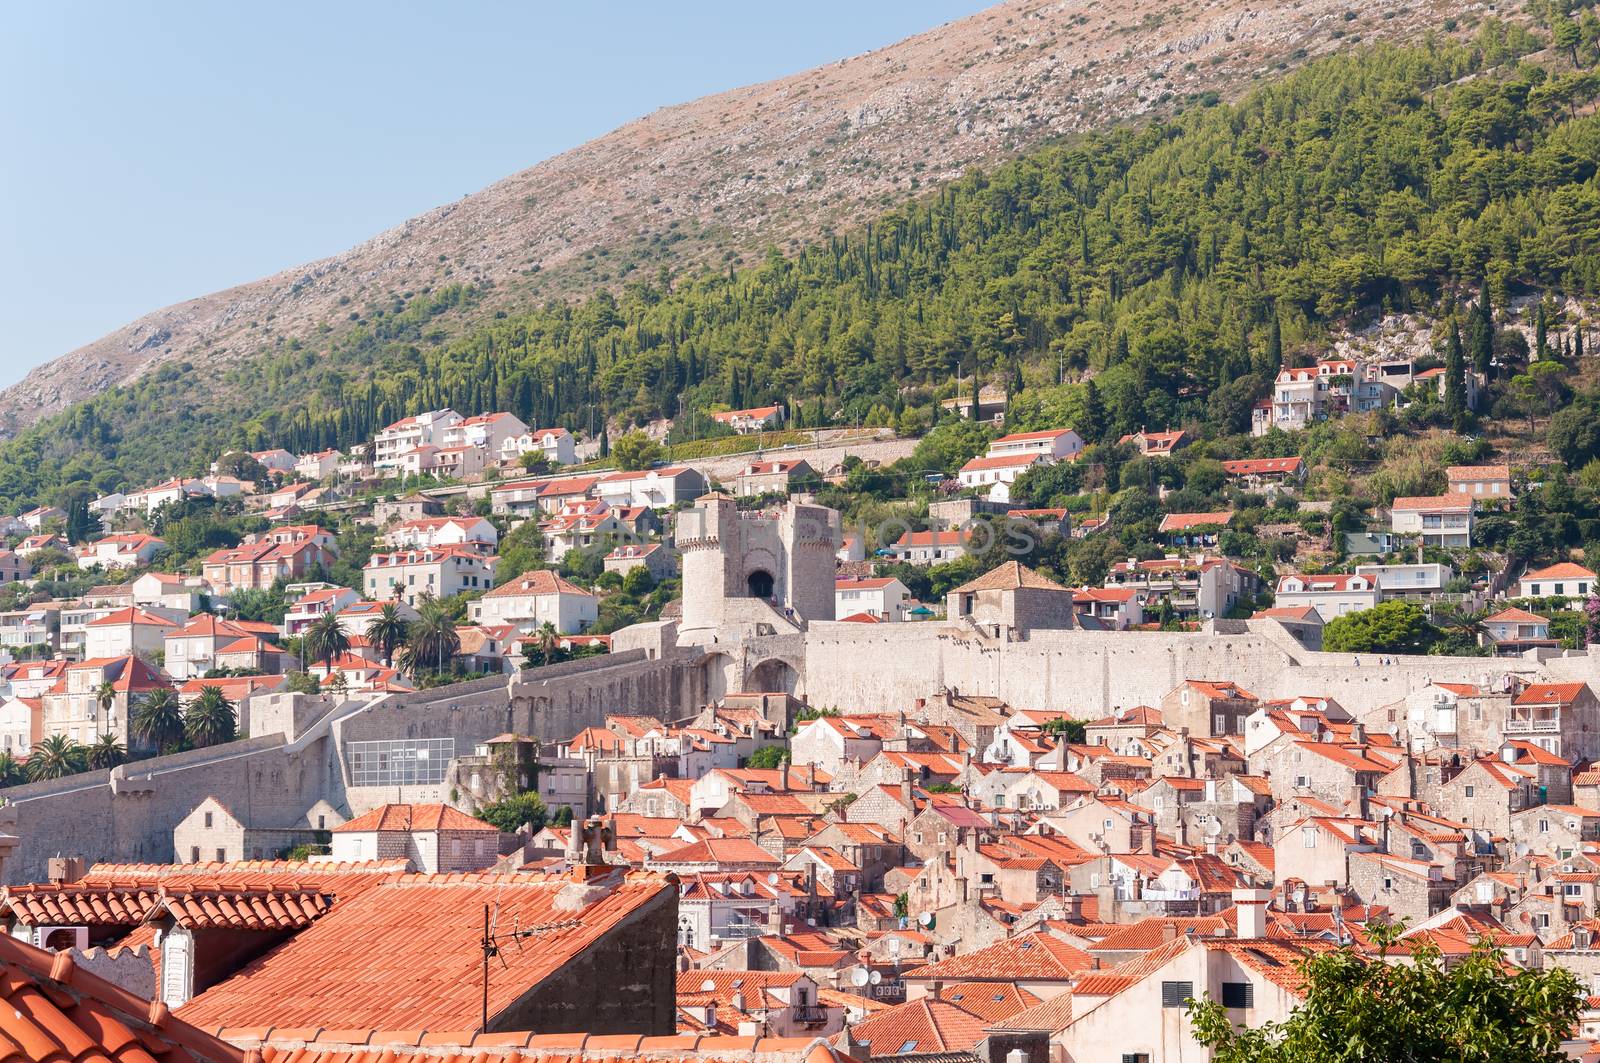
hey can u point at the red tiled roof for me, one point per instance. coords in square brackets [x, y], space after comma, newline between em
[1561, 570]
[920, 1026]
[1039, 956]
[1549, 694]
[58, 1012]
[1427, 502]
[419, 936]
[1184, 521]
[472, 1046]
[1261, 466]
[413, 818]
[539, 581]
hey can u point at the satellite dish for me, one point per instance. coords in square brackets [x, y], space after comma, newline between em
[875, 978]
[772, 879]
[926, 919]
[708, 986]
[811, 920]
[1213, 829]
[859, 976]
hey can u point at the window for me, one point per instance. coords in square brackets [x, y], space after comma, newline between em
[194, 854]
[1238, 995]
[208, 821]
[1176, 994]
[1136, 1057]
[1388, 883]
[1471, 791]
[1572, 889]
[222, 855]
[1308, 837]
[1544, 826]
[1302, 782]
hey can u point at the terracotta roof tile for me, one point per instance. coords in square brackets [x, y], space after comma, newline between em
[1036, 956]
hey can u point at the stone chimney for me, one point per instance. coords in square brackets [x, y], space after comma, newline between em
[783, 775]
[63, 869]
[1358, 733]
[1252, 906]
[1169, 932]
[905, 791]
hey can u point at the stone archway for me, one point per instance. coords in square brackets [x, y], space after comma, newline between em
[760, 584]
[775, 675]
[718, 676]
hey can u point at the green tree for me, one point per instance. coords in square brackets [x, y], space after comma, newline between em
[767, 757]
[1389, 627]
[1455, 375]
[542, 647]
[389, 631]
[325, 640]
[1359, 1008]
[105, 752]
[11, 770]
[158, 720]
[210, 719]
[1069, 731]
[53, 757]
[636, 451]
[510, 813]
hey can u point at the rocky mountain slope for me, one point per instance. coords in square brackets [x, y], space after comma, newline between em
[722, 177]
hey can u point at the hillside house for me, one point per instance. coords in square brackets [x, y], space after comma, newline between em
[1331, 595]
[884, 597]
[555, 445]
[755, 419]
[1479, 481]
[406, 575]
[1563, 580]
[1437, 520]
[535, 598]
[392, 444]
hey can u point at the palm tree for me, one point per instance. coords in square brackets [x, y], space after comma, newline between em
[106, 753]
[433, 641]
[325, 639]
[11, 770]
[210, 719]
[105, 696]
[388, 632]
[545, 645]
[53, 757]
[158, 720]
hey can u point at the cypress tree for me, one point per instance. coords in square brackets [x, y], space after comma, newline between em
[1094, 414]
[1541, 335]
[1455, 374]
[1274, 344]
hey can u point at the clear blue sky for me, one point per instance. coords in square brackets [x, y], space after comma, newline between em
[156, 152]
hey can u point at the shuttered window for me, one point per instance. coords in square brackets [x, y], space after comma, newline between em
[1176, 994]
[1238, 995]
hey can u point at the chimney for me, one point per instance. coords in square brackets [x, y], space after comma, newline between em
[1358, 800]
[905, 792]
[1169, 932]
[738, 999]
[64, 869]
[1358, 733]
[1149, 840]
[1252, 906]
[1182, 831]
[783, 775]
[1016, 1055]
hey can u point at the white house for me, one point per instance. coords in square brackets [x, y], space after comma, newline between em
[995, 475]
[1480, 481]
[443, 531]
[319, 465]
[654, 488]
[930, 547]
[410, 433]
[756, 419]
[487, 431]
[556, 444]
[882, 597]
[1403, 579]
[1563, 580]
[1440, 520]
[1330, 595]
[120, 551]
[1055, 443]
[441, 571]
[534, 599]
[127, 631]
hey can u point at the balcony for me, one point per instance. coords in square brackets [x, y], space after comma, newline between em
[1532, 726]
[809, 1015]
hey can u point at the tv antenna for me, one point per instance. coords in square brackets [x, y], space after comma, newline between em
[492, 942]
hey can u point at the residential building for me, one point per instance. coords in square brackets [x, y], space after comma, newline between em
[1194, 529]
[129, 550]
[488, 432]
[930, 547]
[308, 601]
[1437, 520]
[1258, 474]
[661, 488]
[408, 434]
[1157, 444]
[21, 724]
[1331, 595]
[1212, 707]
[284, 553]
[1560, 718]
[1116, 608]
[318, 465]
[536, 598]
[1056, 444]
[435, 838]
[1194, 587]
[1562, 580]
[779, 476]
[578, 525]
[1299, 399]
[407, 575]
[127, 631]
[1402, 580]
[555, 445]
[426, 532]
[883, 597]
[37, 517]
[14, 567]
[193, 649]
[656, 558]
[95, 697]
[994, 475]
[1512, 632]
[1479, 481]
[756, 419]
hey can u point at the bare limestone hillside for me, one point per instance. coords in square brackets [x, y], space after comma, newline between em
[724, 176]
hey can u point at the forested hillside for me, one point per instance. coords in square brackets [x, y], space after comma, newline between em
[1173, 264]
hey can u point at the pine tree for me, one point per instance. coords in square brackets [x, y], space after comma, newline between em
[1275, 343]
[1482, 331]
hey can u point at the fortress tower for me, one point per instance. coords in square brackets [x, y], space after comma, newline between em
[742, 567]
